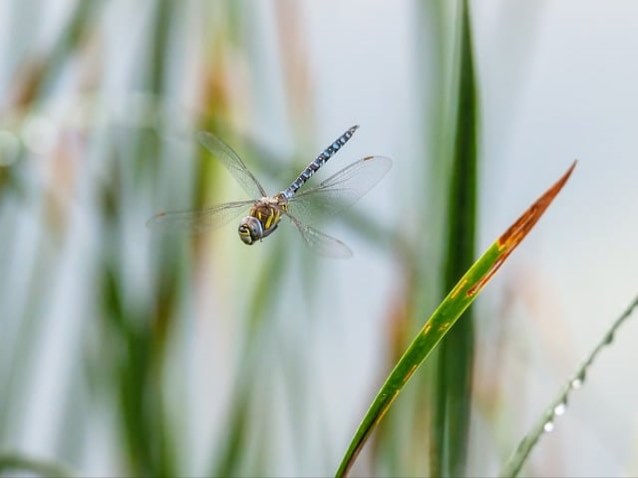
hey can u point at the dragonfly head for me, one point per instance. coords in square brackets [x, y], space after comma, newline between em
[250, 230]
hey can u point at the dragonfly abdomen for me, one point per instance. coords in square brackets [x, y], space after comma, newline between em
[319, 161]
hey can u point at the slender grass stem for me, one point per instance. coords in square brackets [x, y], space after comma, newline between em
[557, 407]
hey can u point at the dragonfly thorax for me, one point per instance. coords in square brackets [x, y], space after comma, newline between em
[263, 219]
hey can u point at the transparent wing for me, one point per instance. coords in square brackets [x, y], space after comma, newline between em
[340, 190]
[320, 243]
[197, 220]
[233, 163]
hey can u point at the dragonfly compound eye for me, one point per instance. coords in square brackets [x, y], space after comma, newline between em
[250, 230]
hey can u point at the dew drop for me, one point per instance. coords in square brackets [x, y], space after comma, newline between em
[609, 338]
[560, 408]
[577, 381]
[549, 426]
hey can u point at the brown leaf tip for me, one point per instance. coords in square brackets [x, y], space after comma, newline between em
[517, 231]
[524, 224]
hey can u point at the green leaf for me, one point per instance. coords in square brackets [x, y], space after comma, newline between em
[455, 357]
[444, 317]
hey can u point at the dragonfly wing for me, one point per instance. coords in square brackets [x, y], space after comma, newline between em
[233, 163]
[197, 220]
[320, 243]
[340, 190]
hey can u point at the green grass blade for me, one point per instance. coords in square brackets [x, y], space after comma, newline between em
[545, 422]
[232, 455]
[455, 357]
[11, 462]
[444, 317]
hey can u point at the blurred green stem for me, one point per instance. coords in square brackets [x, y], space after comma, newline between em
[17, 462]
[453, 383]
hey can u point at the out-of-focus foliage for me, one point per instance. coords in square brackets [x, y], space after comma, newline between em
[125, 352]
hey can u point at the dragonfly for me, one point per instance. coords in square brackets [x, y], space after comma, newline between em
[301, 208]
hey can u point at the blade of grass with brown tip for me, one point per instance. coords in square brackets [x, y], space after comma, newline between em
[444, 317]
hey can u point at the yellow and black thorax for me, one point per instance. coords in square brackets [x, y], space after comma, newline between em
[263, 218]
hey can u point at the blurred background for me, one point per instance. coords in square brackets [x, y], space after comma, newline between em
[126, 353]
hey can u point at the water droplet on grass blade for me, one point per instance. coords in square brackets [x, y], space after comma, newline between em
[577, 381]
[549, 426]
[560, 409]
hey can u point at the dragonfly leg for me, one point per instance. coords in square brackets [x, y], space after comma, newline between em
[269, 232]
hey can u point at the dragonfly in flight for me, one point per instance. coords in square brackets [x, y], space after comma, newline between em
[265, 212]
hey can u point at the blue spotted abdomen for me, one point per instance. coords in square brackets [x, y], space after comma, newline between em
[319, 161]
